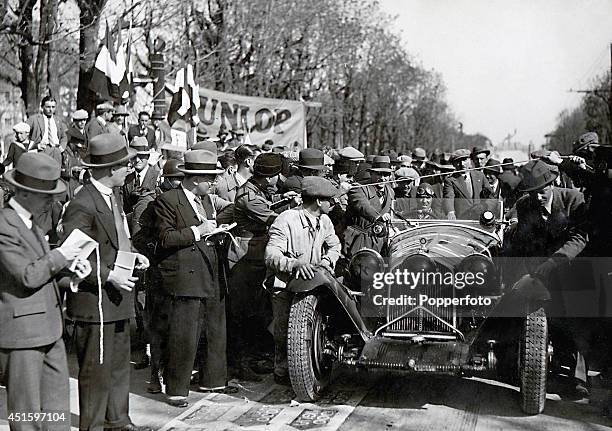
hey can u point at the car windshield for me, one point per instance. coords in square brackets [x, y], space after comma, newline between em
[439, 209]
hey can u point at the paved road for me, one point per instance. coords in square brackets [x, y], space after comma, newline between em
[356, 401]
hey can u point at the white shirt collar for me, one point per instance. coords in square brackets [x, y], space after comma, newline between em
[107, 191]
[548, 204]
[23, 213]
[143, 173]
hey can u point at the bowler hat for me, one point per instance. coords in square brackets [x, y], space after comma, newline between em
[170, 169]
[268, 164]
[200, 162]
[36, 172]
[107, 149]
[459, 154]
[381, 164]
[508, 164]
[585, 140]
[318, 187]
[536, 175]
[311, 158]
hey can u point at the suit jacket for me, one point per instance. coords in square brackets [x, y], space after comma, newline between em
[188, 268]
[456, 198]
[364, 205]
[509, 182]
[134, 130]
[77, 139]
[37, 129]
[89, 212]
[30, 305]
[95, 128]
[564, 233]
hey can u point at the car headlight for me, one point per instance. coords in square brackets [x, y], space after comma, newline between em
[484, 271]
[362, 267]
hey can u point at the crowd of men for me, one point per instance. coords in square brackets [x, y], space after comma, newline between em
[203, 299]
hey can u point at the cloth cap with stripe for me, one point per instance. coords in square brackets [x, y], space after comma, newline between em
[318, 187]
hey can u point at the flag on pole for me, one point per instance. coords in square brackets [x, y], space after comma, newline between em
[186, 99]
[105, 70]
[126, 86]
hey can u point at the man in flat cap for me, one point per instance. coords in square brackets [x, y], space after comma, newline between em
[300, 239]
[97, 210]
[118, 124]
[463, 190]
[47, 132]
[254, 212]
[75, 151]
[76, 133]
[99, 124]
[19, 145]
[33, 364]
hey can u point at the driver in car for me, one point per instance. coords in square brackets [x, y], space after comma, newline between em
[424, 198]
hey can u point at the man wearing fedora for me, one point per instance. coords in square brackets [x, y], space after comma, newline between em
[367, 205]
[300, 239]
[463, 190]
[189, 267]
[97, 211]
[550, 232]
[33, 363]
[311, 162]
[480, 156]
[253, 214]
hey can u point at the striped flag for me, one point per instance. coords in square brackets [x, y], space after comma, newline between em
[126, 86]
[111, 75]
[186, 99]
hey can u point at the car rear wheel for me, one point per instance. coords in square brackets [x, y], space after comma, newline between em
[533, 362]
[309, 366]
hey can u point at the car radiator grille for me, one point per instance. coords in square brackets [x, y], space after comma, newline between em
[419, 320]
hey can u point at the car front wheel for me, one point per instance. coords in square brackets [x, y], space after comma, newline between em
[533, 362]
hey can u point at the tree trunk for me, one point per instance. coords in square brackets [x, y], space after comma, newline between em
[26, 57]
[88, 48]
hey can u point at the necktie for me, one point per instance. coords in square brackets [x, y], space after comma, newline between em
[122, 237]
[200, 207]
[48, 131]
[468, 185]
[138, 179]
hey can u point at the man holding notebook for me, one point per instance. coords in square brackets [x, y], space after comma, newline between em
[104, 373]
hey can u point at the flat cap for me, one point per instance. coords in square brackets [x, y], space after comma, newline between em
[79, 114]
[318, 187]
[104, 107]
[584, 140]
[21, 127]
[351, 154]
[293, 184]
[459, 154]
[405, 160]
[405, 172]
[419, 153]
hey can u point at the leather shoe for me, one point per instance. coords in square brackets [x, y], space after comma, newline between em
[144, 363]
[180, 402]
[220, 390]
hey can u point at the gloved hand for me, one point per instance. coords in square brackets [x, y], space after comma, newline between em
[545, 270]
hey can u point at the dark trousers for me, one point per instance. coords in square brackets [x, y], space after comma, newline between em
[103, 388]
[156, 324]
[281, 306]
[36, 380]
[191, 319]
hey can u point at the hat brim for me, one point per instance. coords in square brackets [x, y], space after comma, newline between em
[182, 169]
[174, 175]
[457, 158]
[539, 186]
[384, 170]
[314, 168]
[131, 153]
[10, 178]
[487, 152]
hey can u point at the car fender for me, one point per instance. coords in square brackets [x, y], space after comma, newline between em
[323, 279]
